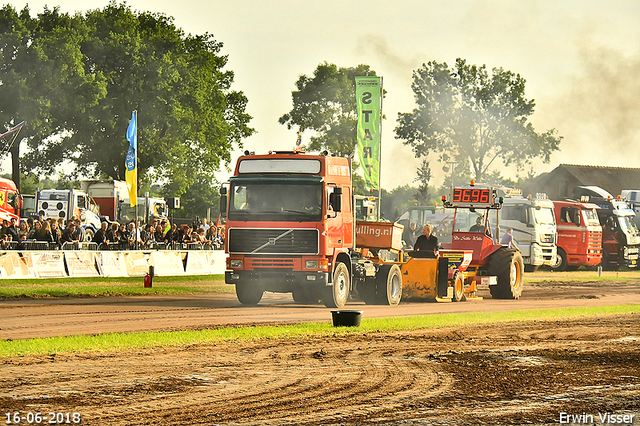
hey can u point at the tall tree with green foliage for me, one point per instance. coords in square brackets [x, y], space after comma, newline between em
[326, 104]
[474, 117]
[424, 176]
[43, 78]
[188, 117]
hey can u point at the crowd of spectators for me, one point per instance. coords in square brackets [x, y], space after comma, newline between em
[158, 234]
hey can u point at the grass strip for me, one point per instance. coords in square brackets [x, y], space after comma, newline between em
[582, 276]
[120, 286]
[109, 342]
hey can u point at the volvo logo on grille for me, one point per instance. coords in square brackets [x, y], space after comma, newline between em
[272, 241]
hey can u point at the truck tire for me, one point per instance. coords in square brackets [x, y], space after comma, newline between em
[389, 285]
[606, 263]
[531, 268]
[336, 295]
[560, 262]
[249, 294]
[458, 287]
[88, 235]
[305, 296]
[507, 264]
[367, 291]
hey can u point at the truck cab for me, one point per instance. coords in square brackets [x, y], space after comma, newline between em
[10, 200]
[290, 223]
[620, 235]
[534, 226]
[366, 208]
[579, 235]
[63, 204]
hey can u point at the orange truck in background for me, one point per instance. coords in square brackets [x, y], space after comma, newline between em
[579, 235]
[10, 200]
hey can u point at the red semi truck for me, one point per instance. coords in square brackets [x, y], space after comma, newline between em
[579, 235]
[290, 225]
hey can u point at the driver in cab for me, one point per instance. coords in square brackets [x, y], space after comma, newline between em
[426, 244]
[479, 226]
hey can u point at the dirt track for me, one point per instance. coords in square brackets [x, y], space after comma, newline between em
[525, 373]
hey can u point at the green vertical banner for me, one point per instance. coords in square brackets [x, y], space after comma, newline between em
[368, 105]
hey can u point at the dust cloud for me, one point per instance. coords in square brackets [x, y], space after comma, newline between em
[598, 113]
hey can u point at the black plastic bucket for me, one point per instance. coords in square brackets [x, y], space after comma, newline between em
[346, 318]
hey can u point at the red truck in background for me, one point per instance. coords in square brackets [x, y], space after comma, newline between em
[10, 200]
[579, 235]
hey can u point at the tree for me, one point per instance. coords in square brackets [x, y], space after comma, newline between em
[42, 75]
[200, 196]
[326, 104]
[474, 117]
[188, 116]
[424, 176]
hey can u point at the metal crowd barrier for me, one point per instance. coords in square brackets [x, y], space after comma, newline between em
[33, 245]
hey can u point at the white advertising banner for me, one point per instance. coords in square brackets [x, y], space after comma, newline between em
[12, 265]
[48, 264]
[137, 263]
[81, 263]
[112, 264]
[197, 263]
[217, 260]
[167, 263]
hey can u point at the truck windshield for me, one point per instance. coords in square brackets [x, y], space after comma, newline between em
[544, 216]
[281, 202]
[627, 224]
[591, 217]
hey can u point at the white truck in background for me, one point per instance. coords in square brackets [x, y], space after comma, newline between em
[632, 196]
[112, 197]
[534, 226]
[63, 204]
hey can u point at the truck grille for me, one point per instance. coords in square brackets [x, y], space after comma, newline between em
[273, 241]
[269, 263]
[594, 242]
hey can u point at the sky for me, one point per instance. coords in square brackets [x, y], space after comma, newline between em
[580, 60]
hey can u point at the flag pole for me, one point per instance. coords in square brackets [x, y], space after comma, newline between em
[380, 154]
[131, 167]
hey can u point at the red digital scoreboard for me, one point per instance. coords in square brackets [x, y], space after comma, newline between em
[473, 197]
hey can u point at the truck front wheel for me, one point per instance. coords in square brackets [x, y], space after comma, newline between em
[336, 295]
[249, 294]
[560, 262]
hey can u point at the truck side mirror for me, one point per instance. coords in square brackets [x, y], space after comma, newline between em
[336, 199]
[223, 200]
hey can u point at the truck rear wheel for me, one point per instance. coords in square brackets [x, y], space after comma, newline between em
[389, 285]
[249, 294]
[507, 264]
[336, 295]
[458, 286]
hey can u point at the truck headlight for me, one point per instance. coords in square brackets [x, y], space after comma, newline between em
[311, 264]
[235, 263]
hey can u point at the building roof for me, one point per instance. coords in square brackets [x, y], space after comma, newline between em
[559, 182]
[613, 179]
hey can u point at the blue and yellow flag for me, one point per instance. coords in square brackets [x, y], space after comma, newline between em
[131, 161]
